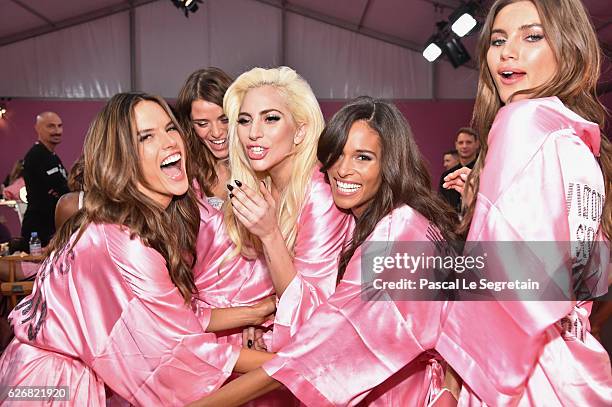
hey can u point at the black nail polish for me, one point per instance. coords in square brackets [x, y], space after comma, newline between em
[250, 343]
[231, 195]
[238, 183]
[230, 187]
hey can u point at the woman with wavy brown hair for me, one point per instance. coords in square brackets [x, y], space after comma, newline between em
[199, 109]
[544, 174]
[112, 303]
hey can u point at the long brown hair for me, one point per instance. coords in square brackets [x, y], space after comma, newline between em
[405, 179]
[208, 84]
[111, 177]
[573, 41]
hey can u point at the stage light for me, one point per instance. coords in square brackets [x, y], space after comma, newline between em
[447, 41]
[2, 112]
[432, 51]
[464, 25]
[463, 19]
[187, 5]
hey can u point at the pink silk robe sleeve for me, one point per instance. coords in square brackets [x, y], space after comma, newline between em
[541, 155]
[322, 230]
[350, 346]
[107, 312]
[225, 282]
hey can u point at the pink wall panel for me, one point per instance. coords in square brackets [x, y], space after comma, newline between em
[433, 123]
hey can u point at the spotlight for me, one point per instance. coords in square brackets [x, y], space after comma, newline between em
[2, 112]
[433, 50]
[463, 19]
[447, 41]
[187, 5]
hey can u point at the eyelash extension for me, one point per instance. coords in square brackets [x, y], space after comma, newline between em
[243, 120]
[273, 118]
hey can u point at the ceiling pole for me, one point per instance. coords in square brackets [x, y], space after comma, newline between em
[366, 7]
[283, 44]
[33, 11]
[132, 46]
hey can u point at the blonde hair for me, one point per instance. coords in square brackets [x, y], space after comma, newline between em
[573, 41]
[305, 111]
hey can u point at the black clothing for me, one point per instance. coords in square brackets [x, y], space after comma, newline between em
[45, 181]
[450, 195]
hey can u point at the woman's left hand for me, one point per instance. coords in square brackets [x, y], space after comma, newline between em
[257, 212]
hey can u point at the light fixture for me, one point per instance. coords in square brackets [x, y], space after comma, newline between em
[187, 5]
[2, 111]
[433, 50]
[463, 20]
[447, 39]
[455, 51]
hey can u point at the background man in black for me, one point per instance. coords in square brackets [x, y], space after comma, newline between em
[467, 146]
[450, 159]
[45, 179]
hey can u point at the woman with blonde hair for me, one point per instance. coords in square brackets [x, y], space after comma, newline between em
[286, 234]
[112, 304]
[281, 204]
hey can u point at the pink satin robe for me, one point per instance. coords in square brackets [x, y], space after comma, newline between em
[351, 346]
[508, 353]
[541, 162]
[107, 312]
[322, 228]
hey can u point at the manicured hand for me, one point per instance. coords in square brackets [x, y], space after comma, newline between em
[255, 210]
[456, 179]
[252, 338]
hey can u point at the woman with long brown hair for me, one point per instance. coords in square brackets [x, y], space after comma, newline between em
[112, 303]
[199, 109]
[544, 174]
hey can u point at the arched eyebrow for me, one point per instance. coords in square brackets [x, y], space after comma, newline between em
[521, 28]
[262, 112]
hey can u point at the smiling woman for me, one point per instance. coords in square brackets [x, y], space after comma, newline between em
[200, 111]
[113, 304]
[161, 149]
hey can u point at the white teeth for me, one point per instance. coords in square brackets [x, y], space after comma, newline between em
[219, 142]
[507, 73]
[171, 159]
[347, 187]
[257, 149]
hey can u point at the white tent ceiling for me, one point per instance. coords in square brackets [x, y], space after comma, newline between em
[92, 49]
